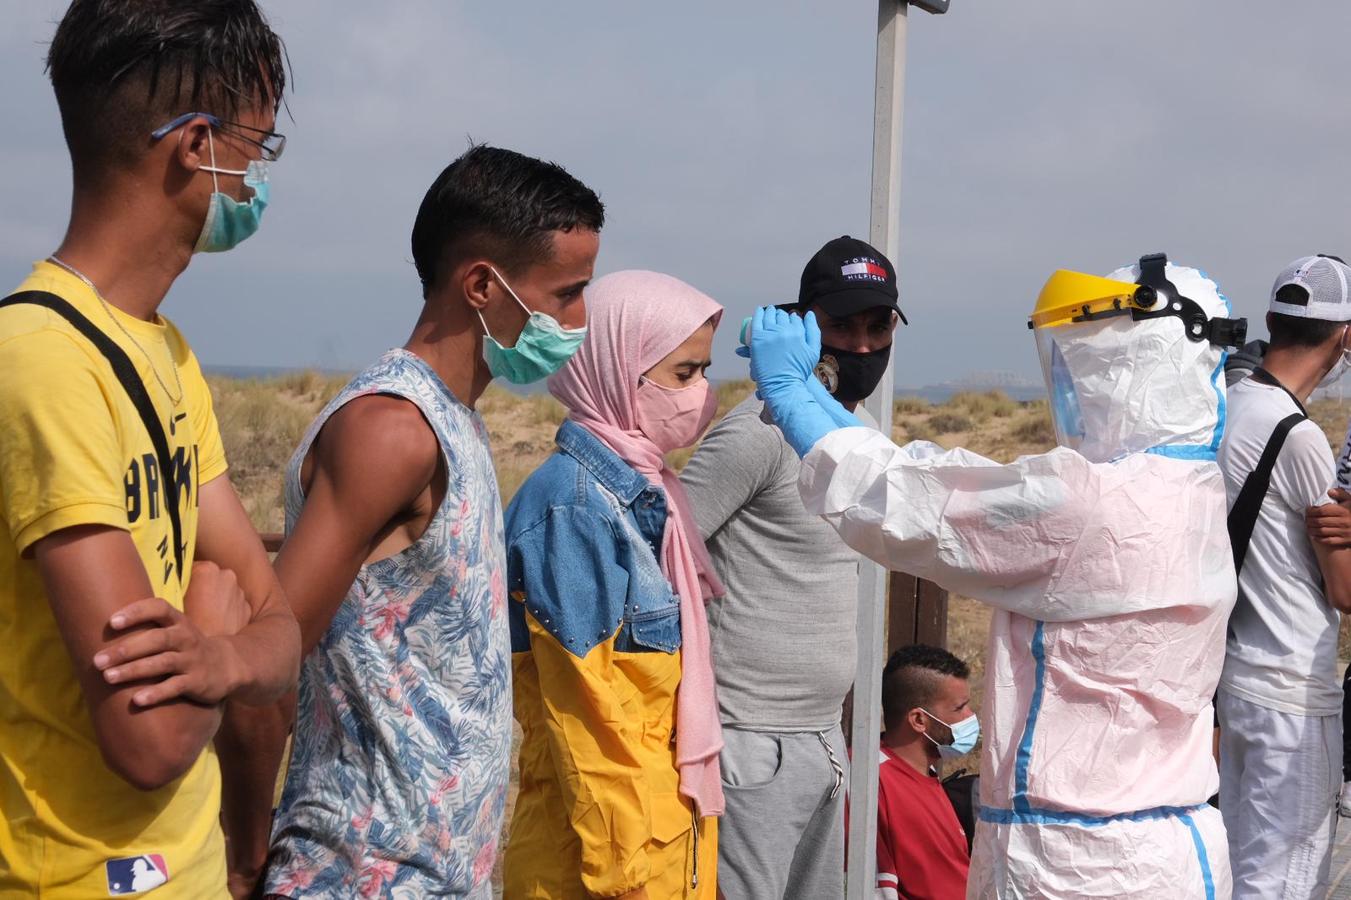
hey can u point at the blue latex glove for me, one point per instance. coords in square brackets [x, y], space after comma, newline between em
[784, 347]
[784, 350]
[842, 417]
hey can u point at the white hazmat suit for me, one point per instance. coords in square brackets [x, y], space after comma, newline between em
[1108, 566]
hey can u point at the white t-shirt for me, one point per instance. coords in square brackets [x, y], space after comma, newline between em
[1282, 646]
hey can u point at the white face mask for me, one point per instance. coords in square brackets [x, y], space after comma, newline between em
[1338, 368]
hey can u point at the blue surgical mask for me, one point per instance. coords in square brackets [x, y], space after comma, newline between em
[541, 350]
[964, 736]
[227, 220]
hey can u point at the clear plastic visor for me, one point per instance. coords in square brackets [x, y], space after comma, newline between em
[1062, 398]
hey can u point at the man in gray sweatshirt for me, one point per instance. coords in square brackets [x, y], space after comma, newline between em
[783, 636]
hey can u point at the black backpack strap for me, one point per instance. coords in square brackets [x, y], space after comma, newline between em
[963, 790]
[1243, 514]
[125, 371]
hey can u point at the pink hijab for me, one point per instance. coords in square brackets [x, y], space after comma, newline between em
[634, 319]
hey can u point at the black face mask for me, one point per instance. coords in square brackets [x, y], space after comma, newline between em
[851, 377]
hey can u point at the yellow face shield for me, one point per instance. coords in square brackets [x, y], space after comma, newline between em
[1076, 297]
[1073, 297]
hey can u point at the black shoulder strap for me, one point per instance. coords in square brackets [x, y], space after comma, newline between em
[963, 790]
[125, 371]
[1243, 515]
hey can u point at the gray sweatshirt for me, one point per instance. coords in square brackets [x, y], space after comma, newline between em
[784, 648]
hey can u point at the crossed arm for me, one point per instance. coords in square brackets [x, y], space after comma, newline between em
[1329, 528]
[153, 677]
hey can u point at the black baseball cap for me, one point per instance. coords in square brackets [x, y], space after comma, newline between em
[847, 276]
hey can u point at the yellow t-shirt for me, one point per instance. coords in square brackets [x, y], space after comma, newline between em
[73, 451]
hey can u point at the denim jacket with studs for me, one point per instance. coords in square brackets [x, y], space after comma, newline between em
[583, 539]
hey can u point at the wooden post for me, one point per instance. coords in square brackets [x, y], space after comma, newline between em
[917, 612]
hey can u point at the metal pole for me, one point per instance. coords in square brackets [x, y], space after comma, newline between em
[884, 234]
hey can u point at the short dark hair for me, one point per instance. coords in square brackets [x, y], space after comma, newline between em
[122, 68]
[501, 205]
[913, 676]
[1297, 331]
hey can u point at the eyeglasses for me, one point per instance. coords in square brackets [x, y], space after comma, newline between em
[270, 143]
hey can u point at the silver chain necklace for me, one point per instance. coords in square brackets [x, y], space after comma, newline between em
[106, 308]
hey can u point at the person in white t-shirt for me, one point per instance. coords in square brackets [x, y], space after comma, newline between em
[1280, 697]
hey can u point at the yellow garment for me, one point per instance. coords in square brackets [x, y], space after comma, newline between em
[599, 813]
[73, 451]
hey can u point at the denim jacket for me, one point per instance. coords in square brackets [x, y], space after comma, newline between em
[596, 666]
[583, 537]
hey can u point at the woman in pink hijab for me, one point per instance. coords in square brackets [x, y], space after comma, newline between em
[619, 784]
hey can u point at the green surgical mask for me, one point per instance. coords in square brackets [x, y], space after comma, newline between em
[543, 347]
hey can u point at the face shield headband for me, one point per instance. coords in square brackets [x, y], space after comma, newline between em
[1198, 327]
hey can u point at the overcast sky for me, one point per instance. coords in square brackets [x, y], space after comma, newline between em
[729, 140]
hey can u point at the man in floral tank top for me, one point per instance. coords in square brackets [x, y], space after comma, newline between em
[394, 558]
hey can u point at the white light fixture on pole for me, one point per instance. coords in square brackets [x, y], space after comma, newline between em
[884, 234]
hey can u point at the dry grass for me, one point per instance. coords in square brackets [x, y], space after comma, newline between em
[904, 406]
[982, 407]
[521, 429]
[950, 423]
[990, 424]
[1036, 430]
[1331, 416]
[261, 423]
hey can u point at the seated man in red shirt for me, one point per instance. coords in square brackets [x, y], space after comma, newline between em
[926, 704]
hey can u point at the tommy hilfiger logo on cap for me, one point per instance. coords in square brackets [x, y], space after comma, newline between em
[848, 276]
[863, 268]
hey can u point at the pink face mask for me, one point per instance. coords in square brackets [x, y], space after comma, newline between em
[673, 418]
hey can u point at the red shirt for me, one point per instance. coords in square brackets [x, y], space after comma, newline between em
[921, 848]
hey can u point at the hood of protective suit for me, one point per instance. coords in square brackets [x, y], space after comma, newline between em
[1120, 386]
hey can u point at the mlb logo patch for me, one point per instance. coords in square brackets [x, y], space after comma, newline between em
[135, 874]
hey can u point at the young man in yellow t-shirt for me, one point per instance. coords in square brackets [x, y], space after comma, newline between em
[137, 605]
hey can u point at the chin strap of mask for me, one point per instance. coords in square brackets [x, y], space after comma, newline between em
[1197, 325]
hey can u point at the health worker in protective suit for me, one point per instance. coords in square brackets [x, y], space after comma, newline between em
[1106, 560]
